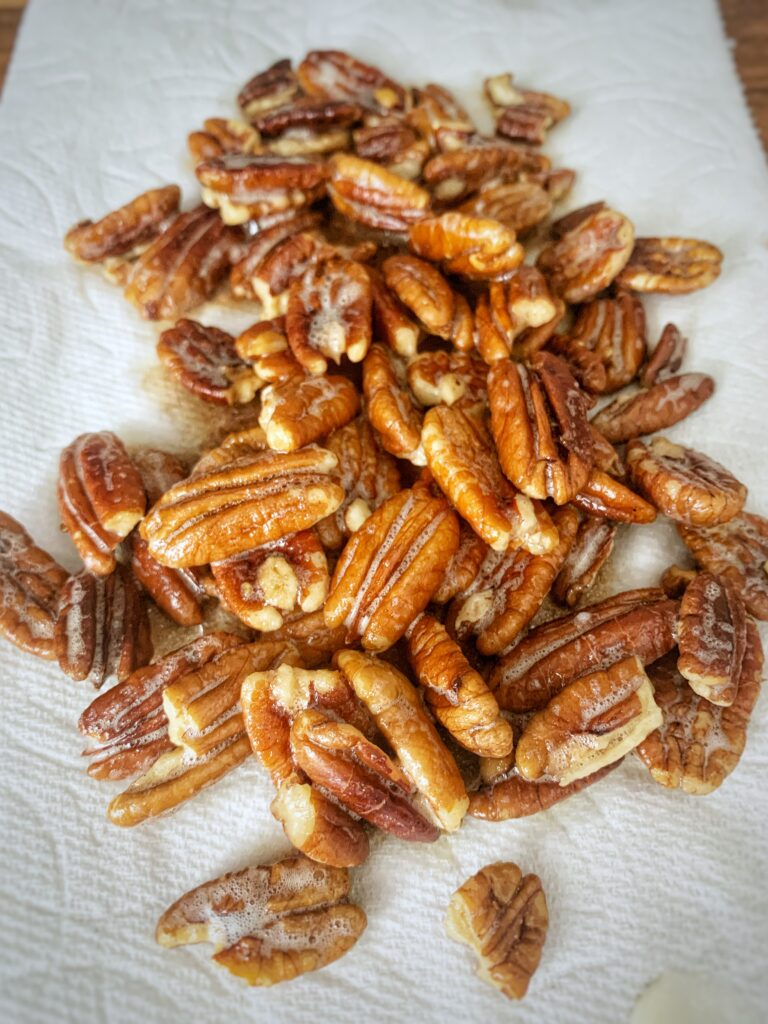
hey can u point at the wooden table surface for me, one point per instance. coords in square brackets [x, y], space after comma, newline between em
[746, 22]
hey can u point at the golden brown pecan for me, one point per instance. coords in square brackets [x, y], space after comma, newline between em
[314, 642]
[30, 586]
[463, 567]
[390, 320]
[448, 378]
[477, 247]
[520, 205]
[673, 266]
[437, 114]
[609, 499]
[301, 410]
[372, 195]
[102, 627]
[666, 359]
[590, 551]
[391, 141]
[123, 231]
[263, 586]
[698, 743]
[456, 693]
[512, 796]
[335, 75]
[641, 622]
[220, 135]
[459, 172]
[591, 723]
[523, 115]
[265, 346]
[675, 579]
[268, 924]
[271, 88]
[390, 406]
[509, 589]
[502, 916]
[175, 591]
[182, 267]
[244, 186]
[204, 361]
[684, 484]
[658, 407]
[254, 499]
[400, 716]
[390, 568]
[509, 309]
[712, 636]
[461, 456]
[539, 423]
[588, 256]
[424, 290]
[736, 551]
[234, 446]
[100, 497]
[264, 268]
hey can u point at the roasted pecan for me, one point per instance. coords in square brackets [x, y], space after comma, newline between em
[563, 225]
[666, 359]
[448, 378]
[512, 796]
[175, 591]
[673, 266]
[268, 924]
[234, 446]
[520, 205]
[243, 186]
[684, 484]
[698, 743]
[335, 75]
[102, 627]
[261, 587]
[455, 692]
[675, 579]
[390, 568]
[390, 141]
[712, 636]
[314, 642]
[523, 115]
[182, 267]
[204, 361]
[607, 498]
[477, 247]
[221, 135]
[121, 232]
[30, 586]
[426, 293]
[301, 410]
[437, 114]
[315, 116]
[265, 346]
[100, 497]
[400, 716]
[390, 406]
[390, 320]
[265, 267]
[640, 622]
[373, 195]
[457, 173]
[539, 423]
[502, 916]
[271, 88]
[254, 499]
[586, 258]
[510, 308]
[736, 551]
[463, 567]
[658, 407]
[589, 552]
[591, 723]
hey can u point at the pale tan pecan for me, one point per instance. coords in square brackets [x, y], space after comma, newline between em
[712, 636]
[268, 924]
[594, 721]
[666, 359]
[391, 322]
[589, 256]
[509, 589]
[480, 248]
[264, 586]
[539, 423]
[264, 268]
[256, 498]
[390, 406]
[175, 591]
[30, 587]
[684, 484]
[736, 551]
[314, 642]
[658, 407]
[391, 567]
[457, 173]
[246, 186]
[370, 194]
[590, 551]
[607, 498]
[512, 796]
[335, 75]
[520, 205]
[204, 361]
[641, 622]
[521, 114]
[102, 627]
[392, 142]
[125, 230]
[182, 267]
[100, 497]
[673, 266]
[426, 293]
[265, 346]
[271, 88]
[675, 579]
[698, 743]
[502, 916]
[302, 410]
[221, 135]
[463, 567]
[448, 378]
[456, 693]
[510, 308]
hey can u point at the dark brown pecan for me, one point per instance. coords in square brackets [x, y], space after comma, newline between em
[588, 256]
[609, 499]
[392, 142]
[315, 116]
[335, 75]
[523, 115]
[657, 408]
[370, 194]
[675, 579]
[590, 551]
[712, 634]
[244, 186]
[666, 359]
[121, 232]
[204, 361]
[673, 266]
[271, 88]
[509, 309]
[512, 796]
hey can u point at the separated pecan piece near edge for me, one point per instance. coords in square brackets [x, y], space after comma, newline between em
[674, 266]
[657, 408]
[205, 362]
[608, 498]
[666, 359]
[712, 637]
[122, 231]
[514, 797]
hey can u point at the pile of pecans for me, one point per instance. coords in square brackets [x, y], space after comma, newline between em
[361, 562]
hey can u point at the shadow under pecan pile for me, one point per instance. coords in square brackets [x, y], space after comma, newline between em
[418, 468]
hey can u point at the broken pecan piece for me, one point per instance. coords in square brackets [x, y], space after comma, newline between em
[222, 135]
[608, 498]
[437, 114]
[205, 362]
[390, 406]
[512, 796]
[510, 309]
[656, 408]
[265, 346]
[121, 232]
[246, 186]
[369, 194]
[302, 410]
[589, 552]
[335, 75]
[589, 256]
[712, 636]
[521, 114]
[673, 266]
[477, 247]
[666, 359]
[675, 579]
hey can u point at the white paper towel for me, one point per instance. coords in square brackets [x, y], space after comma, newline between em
[639, 880]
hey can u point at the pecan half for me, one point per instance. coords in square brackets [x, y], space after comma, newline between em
[205, 362]
[685, 484]
[520, 205]
[509, 309]
[392, 142]
[502, 916]
[316, 116]
[159, 471]
[477, 247]
[426, 293]
[271, 88]
[175, 591]
[390, 320]
[335, 75]
[390, 406]
[666, 359]
[673, 266]
[265, 346]
[521, 114]
[459, 172]
[608, 498]
[369, 194]
[448, 378]
[302, 410]
[30, 586]
[712, 636]
[121, 232]
[263, 270]
[512, 796]
[656, 408]
[589, 256]
[589, 552]
[244, 186]
[268, 924]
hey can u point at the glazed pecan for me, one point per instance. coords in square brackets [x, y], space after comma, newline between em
[712, 636]
[220, 135]
[30, 586]
[271, 88]
[666, 359]
[698, 743]
[102, 627]
[159, 470]
[245, 186]
[318, 117]
[182, 267]
[226, 510]
[123, 231]
[606, 458]
[438, 116]
[392, 142]
[736, 551]
[426, 293]
[463, 567]
[589, 256]
[512, 796]
[302, 410]
[390, 320]
[100, 496]
[520, 205]
[268, 924]
[261, 587]
[335, 75]
[234, 446]
[607, 498]
[390, 568]
[591, 723]
[175, 591]
[204, 361]
[589, 552]
[448, 378]
[684, 484]
[509, 309]
[563, 225]
[502, 916]
[462, 459]
[457, 173]
[455, 692]
[523, 115]
[265, 346]
[658, 407]
[390, 407]
[369, 194]
[673, 266]
[539, 423]
[477, 247]
[265, 267]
